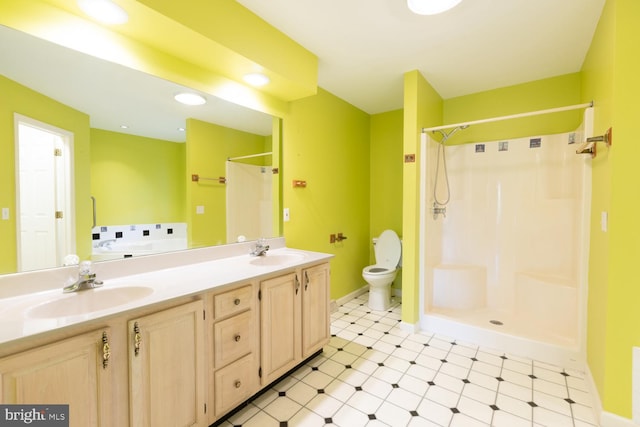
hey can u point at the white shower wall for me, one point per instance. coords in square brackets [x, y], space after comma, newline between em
[249, 201]
[513, 244]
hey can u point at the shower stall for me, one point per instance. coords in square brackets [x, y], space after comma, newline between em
[504, 262]
[249, 201]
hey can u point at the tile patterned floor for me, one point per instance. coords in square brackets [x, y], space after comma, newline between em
[374, 374]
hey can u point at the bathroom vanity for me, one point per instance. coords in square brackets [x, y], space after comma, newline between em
[180, 345]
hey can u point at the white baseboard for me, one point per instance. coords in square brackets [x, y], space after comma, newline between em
[605, 419]
[337, 303]
[412, 328]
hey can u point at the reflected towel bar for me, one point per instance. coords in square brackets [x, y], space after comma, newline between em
[195, 178]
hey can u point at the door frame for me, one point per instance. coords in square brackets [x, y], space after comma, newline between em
[65, 229]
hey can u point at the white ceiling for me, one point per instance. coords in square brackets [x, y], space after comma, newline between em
[365, 46]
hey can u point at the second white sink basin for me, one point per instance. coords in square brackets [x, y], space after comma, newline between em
[277, 259]
[88, 301]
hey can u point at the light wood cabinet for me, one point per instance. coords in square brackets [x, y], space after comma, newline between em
[294, 319]
[316, 319]
[235, 347]
[74, 371]
[280, 314]
[166, 367]
[183, 363]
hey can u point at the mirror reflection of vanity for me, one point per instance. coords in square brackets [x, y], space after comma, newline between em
[136, 183]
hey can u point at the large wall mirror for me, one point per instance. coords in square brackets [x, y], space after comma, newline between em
[144, 174]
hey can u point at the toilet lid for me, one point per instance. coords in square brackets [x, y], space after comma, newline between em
[388, 249]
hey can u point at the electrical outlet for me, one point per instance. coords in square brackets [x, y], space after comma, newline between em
[199, 210]
[5, 213]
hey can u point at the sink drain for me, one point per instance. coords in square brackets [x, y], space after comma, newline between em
[496, 322]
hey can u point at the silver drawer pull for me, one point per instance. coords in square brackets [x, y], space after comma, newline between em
[238, 384]
[236, 301]
[237, 338]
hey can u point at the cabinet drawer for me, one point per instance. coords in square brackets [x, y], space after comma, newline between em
[235, 384]
[233, 301]
[233, 338]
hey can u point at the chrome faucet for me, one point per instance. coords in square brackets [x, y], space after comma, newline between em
[260, 248]
[86, 279]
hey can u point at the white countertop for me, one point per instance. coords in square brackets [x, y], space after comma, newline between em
[17, 313]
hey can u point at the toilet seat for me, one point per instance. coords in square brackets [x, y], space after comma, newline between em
[377, 270]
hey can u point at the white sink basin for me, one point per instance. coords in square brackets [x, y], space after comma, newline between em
[277, 259]
[88, 301]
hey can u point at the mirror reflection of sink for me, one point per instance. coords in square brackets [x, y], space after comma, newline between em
[277, 259]
[88, 301]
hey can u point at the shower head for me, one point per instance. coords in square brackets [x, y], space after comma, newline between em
[446, 136]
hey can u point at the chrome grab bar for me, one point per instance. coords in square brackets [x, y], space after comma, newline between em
[93, 202]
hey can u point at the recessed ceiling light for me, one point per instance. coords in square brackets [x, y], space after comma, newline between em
[256, 79]
[431, 7]
[104, 11]
[124, 127]
[180, 129]
[190, 98]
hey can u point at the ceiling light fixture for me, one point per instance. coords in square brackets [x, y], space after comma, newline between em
[256, 79]
[190, 98]
[431, 7]
[104, 11]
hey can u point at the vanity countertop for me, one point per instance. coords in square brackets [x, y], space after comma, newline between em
[25, 315]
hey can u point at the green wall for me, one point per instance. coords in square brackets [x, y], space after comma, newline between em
[422, 108]
[610, 76]
[538, 95]
[597, 83]
[137, 180]
[386, 173]
[385, 210]
[207, 148]
[22, 100]
[326, 143]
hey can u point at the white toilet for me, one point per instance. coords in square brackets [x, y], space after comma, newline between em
[380, 276]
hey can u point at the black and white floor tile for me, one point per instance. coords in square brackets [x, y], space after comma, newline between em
[374, 374]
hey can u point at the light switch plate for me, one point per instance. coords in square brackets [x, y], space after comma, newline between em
[5, 213]
[199, 210]
[285, 215]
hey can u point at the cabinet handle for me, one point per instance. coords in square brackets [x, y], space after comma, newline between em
[238, 384]
[106, 350]
[236, 301]
[306, 280]
[237, 338]
[137, 339]
[297, 284]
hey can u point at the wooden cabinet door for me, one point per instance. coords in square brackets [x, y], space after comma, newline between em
[280, 325]
[315, 309]
[166, 368]
[74, 371]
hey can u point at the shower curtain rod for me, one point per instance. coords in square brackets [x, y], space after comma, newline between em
[512, 116]
[268, 153]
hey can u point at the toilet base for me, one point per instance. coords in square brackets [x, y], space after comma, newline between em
[380, 297]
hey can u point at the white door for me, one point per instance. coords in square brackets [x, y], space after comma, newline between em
[43, 194]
